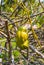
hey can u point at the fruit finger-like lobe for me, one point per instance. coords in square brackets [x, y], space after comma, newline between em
[24, 35]
[22, 38]
[26, 44]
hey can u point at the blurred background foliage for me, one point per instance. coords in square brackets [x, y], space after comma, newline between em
[14, 10]
[32, 5]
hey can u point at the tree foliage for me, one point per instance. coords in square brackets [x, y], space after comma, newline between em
[22, 13]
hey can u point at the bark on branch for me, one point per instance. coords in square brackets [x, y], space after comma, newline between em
[36, 51]
[9, 41]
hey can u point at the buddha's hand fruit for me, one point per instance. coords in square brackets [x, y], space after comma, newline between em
[24, 35]
[25, 45]
[22, 38]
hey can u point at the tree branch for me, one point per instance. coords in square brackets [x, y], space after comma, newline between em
[9, 41]
[3, 34]
[36, 51]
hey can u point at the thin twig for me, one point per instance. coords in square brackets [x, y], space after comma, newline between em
[35, 50]
[3, 48]
[3, 34]
[31, 16]
[41, 4]
[9, 41]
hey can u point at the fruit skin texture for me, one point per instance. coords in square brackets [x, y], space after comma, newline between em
[22, 38]
[24, 35]
[25, 45]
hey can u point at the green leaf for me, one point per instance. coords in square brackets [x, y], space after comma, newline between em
[16, 53]
[38, 25]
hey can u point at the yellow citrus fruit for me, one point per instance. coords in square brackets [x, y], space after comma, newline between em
[24, 35]
[22, 28]
[26, 44]
[18, 34]
[22, 38]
